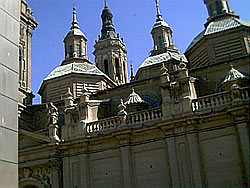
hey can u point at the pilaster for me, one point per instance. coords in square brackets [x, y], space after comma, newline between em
[195, 159]
[84, 170]
[173, 163]
[127, 168]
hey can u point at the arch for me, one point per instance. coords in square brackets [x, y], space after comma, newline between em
[30, 183]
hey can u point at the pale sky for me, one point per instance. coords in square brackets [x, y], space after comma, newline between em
[133, 20]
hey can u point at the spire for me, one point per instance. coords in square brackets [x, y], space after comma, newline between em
[108, 29]
[131, 72]
[158, 12]
[74, 22]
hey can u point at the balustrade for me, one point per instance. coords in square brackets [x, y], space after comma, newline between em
[131, 119]
[103, 125]
[220, 99]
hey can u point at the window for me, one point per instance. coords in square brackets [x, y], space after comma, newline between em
[106, 67]
[78, 50]
[210, 10]
[218, 7]
[124, 71]
[70, 51]
[117, 69]
[160, 41]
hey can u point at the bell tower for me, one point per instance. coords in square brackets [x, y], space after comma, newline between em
[110, 52]
[161, 34]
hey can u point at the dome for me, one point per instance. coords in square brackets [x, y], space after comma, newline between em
[78, 68]
[163, 58]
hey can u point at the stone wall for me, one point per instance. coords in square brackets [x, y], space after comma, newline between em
[194, 152]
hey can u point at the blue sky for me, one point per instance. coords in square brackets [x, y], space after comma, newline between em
[133, 19]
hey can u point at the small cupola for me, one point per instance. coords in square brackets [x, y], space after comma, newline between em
[217, 9]
[135, 103]
[75, 42]
[234, 78]
[161, 34]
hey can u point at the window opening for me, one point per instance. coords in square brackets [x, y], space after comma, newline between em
[106, 67]
[218, 7]
[160, 41]
[70, 51]
[78, 50]
[117, 68]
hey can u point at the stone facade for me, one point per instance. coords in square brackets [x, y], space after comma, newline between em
[27, 25]
[9, 43]
[159, 130]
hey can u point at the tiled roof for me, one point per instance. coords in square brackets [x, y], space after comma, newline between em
[219, 26]
[162, 58]
[225, 24]
[82, 68]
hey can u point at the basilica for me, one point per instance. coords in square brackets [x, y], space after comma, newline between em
[180, 121]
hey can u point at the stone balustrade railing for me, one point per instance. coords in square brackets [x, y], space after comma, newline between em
[220, 99]
[144, 116]
[131, 119]
[103, 125]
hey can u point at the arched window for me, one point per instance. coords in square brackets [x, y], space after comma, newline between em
[160, 41]
[124, 71]
[106, 67]
[78, 50]
[218, 7]
[117, 69]
[70, 51]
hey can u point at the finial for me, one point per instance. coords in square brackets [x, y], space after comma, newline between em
[74, 22]
[131, 72]
[105, 3]
[159, 16]
[133, 90]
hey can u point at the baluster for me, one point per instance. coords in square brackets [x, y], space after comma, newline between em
[147, 116]
[201, 104]
[87, 129]
[112, 122]
[213, 102]
[138, 118]
[142, 117]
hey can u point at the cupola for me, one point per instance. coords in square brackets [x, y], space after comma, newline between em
[162, 34]
[75, 42]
